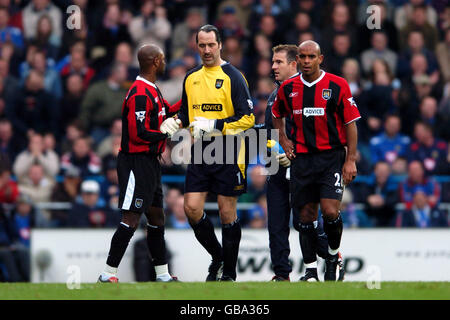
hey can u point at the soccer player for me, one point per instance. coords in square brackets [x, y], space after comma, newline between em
[138, 167]
[321, 147]
[215, 101]
[284, 66]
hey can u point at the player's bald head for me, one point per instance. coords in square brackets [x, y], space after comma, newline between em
[147, 54]
[310, 44]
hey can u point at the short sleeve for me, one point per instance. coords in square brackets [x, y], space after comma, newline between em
[351, 112]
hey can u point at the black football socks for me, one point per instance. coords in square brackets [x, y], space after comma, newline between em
[204, 232]
[231, 237]
[156, 244]
[308, 242]
[333, 229]
[119, 244]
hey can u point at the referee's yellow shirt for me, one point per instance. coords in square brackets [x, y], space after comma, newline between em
[219, 93]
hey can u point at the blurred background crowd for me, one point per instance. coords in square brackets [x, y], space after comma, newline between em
[61, 90]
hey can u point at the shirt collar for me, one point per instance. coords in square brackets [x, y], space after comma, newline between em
[310, 84]
[146, 81]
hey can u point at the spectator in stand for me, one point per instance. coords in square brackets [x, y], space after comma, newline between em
[233, 52]
[340, 23]
[65, 191]
[418, 181]
[265, 8]
[52, 80]
[182, 32]
[256, 185]
[351, 73]
[429, 115]
[430, 151]
[378, 50]
[444, 109]
[34, 11]
[74, 131]
[400, 167]
[24, 217]
[390, 144]
[34, 110]
[9, 190]
[170, 197]
[302, 23]
[406, 68]
[418, 22]
[10, 144]
[36, 185]
[9, 33]
[10, 86]
[82, 34]
[380, 195]
[150, 26]
[386, 25]
[270, 27]
[229, 24]
[177, 217]
[110, 145]
[172, 88]
[421, 215]
[15, 259]
[112, 32]
[103, 103]
[377, 99]
[45, 39]
[90, 213]
[340, 51]
[71, 101]
[257, 216]
[124, 55]
[404, 14]
[36, 154]
[82, 157]
[352, 217]
[109, 188]
[77, 65]
[443, 55]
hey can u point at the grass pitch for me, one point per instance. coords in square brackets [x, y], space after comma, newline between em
[228, 291]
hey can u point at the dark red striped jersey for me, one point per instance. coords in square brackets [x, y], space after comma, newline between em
[143, 111]
[318, 111]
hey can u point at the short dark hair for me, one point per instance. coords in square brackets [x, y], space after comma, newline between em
[209, 28]
[290, 49]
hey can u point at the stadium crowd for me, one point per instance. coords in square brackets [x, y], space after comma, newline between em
[63, 77]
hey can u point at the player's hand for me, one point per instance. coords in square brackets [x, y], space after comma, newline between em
[283, 160]
[170, 126]
[288, 147]
[202, 125]
[349, 171]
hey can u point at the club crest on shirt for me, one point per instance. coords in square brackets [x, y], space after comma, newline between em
[138, 203]
[219, 83]
[326, 94]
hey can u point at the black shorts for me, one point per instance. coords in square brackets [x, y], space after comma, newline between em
[227, 179]
[316, 176]
[139, 182]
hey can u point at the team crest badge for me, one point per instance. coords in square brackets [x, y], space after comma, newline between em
[219, 83]
[138, 203]
[326, 94]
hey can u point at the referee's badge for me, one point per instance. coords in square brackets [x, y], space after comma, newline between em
[219, 83]
[326, 94]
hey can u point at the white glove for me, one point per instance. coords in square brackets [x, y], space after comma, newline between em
[283, 160]
[202, 125]
[170, 126]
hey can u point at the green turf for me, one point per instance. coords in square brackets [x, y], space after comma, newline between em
[228, 291]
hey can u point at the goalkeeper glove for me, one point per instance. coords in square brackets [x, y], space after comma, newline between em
[170, 126]
[202, 125]
[283, 160]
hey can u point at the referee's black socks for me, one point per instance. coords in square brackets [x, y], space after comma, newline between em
[333, 229]
[231, 237]
[308, 241]
[119, 244]
[204, 232]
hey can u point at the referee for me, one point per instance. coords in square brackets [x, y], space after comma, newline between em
[322, 148]
[138, 167]
[216, 102]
